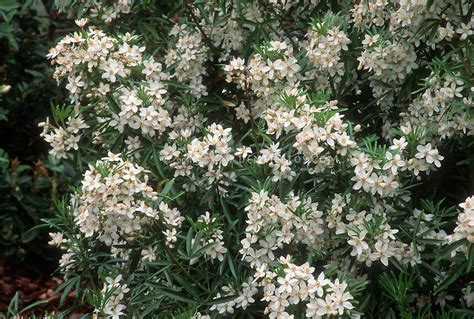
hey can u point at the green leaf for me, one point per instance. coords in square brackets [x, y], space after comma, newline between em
[135, 257]
[465, 312]
[176, 84]
[184, 283]
[174, 295]
[33, 305]
[156, 160]
[231, 264]
[154, 304]
[3, 114]
[66, 288]
[227, 214]
[470, 257]
[8, 5]
[458, 272]
[189, 239]
[446, 252]
[29, 236]
[13, 305]
[167, 188]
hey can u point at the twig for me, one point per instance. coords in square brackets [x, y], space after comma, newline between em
[177, 263]
[247, 105]
[194, 19]
[281, 22]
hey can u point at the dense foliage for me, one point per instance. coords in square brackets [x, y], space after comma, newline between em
[29, 179]
[277, 159]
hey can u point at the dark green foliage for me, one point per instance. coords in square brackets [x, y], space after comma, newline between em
[29, 180]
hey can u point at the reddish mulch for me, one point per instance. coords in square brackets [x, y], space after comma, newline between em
[32, 288]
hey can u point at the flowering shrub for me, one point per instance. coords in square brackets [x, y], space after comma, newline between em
[272, 158]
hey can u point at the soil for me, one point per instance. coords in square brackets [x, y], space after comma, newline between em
[32, 288]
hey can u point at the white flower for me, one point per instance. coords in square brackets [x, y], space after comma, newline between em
[243, 151]
[317, 285]
[170, 235]
[431, 155]
[326, 306]
[381, 252]
[357, 241]
[312, 309]
[465, 30]
[74, 83]
[468, 296]
[111, 69]
[57, 239]
[342, 301]
[399, 144]
[81, 22]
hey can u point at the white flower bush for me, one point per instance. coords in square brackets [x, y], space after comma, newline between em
[266, 159]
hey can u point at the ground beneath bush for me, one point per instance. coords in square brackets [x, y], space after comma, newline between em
[32, 288]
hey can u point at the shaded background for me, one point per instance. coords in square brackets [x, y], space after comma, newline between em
[30, 181]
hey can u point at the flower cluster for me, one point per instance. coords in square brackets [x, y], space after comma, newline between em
[465, 223]
[62, 139]
[272, 224]
[324, 49]
[375, 178]
[113, 202]
[116, 290]
[389, 64]
[190, 55]
[266, 75]
[172, 219]
[107, 11]
[213, 153]
[442, 106]
[228, 32]
[214, 237]
[101, 61]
